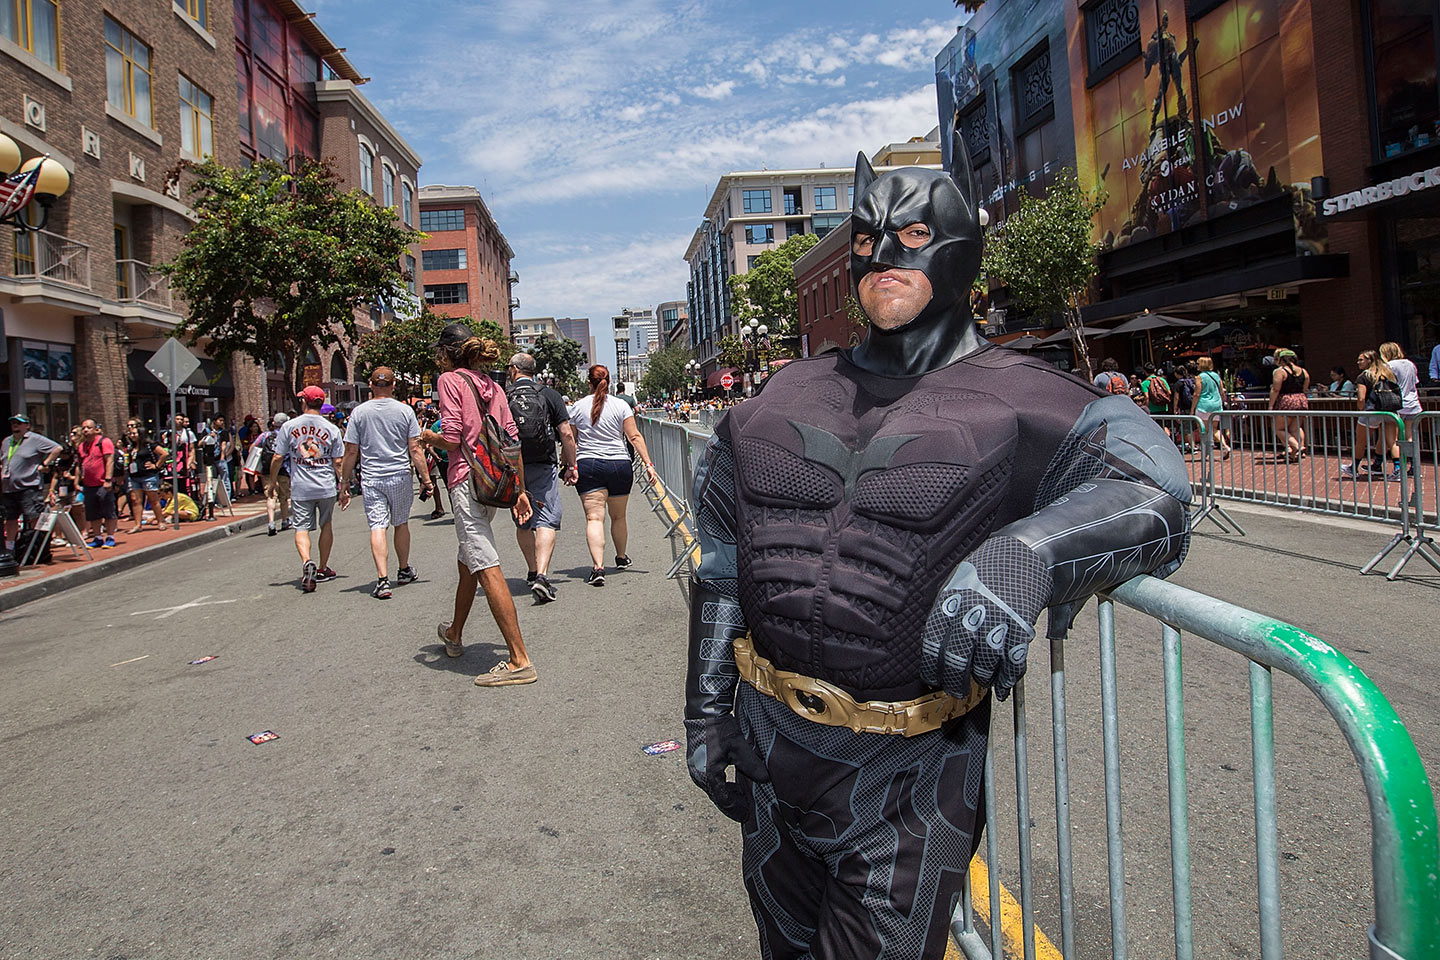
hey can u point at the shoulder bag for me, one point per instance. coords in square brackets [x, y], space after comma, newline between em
[495, 478]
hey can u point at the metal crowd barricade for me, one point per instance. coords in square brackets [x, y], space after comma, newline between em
[1404, 850]
[1196, 440]
[1421, 447]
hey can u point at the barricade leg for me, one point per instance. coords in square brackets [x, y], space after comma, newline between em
[1062, 796]
[1179, 804]
[1022, 814]
[1421, 543]
[1267, 834]
[1114, 828]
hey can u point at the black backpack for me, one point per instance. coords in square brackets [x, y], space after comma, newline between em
[1386, 394]
[532, 422]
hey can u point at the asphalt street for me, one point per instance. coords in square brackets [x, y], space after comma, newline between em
[405, 812]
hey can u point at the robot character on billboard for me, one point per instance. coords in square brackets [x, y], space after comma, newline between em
[879, 531]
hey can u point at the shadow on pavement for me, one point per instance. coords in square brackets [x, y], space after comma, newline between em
[478, 658]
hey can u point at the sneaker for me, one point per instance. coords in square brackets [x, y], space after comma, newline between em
[1392, 477]
[596, 578]
[502, 674]
[453, 648]
[96, 543]
[110, 541]
[406, 575]
[307, 577]
[270, 530]
[325, 573]
[543, 589]
[622, 562]
[284, 525]
[530, 576]
[1347, 472]
[382, 589]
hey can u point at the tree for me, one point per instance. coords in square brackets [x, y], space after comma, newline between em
[766, 292]
[559, 360]
[278, 261]
[732, 352]
[405, 346]
[1046, 252]
[666, 373]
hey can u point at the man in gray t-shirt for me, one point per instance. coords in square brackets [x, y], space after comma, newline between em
[311, 448]
[21, 458]
[384, 436]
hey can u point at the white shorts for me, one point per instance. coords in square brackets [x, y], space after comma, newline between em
[472, 528]
[387, 502]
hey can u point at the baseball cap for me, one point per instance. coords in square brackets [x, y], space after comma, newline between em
[453, 334]
[19, 418]
[311, 393]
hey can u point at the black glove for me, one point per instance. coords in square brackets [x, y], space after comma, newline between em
[711, 745]
[981, 624]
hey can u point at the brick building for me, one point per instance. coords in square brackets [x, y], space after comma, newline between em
[822, 284]
[465, 257]
[116, 96]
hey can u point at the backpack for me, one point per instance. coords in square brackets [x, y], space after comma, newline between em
[1159, 391]
[532, 421]
[267, 452]
[1186, 386]
[1386, 394]
[1117, 383]
[494, 475]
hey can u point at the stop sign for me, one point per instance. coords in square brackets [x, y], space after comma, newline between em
[727, 381]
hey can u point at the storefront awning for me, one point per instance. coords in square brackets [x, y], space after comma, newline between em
[211, 380]
[1253, 280]
[714, 379]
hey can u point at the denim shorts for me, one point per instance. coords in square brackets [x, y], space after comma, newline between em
[616, 477]
[542, 483]
[142, 481]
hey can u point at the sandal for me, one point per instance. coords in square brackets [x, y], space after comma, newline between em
[134, 530]
[453, 648]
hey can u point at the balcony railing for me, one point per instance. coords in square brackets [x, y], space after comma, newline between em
[138, 282]
[42, 255]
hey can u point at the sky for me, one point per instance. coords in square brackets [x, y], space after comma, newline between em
[598, 136]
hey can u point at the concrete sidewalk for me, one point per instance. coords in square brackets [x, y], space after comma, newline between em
[70, 568]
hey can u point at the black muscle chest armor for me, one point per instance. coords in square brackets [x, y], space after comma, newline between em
[858, 495]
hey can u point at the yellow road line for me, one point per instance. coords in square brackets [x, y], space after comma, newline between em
[1012, 925]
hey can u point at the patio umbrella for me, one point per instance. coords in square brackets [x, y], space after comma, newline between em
[1064, 335]
[1025, 342]
[1149, 322]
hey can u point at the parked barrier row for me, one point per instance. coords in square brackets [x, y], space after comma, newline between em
[1404, 848]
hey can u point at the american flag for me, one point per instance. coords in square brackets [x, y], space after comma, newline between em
[17, 190]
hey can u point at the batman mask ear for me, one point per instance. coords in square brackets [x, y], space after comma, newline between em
[864, 174]
[960, 169]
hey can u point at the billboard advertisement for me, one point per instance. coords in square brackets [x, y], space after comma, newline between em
[1184, 120]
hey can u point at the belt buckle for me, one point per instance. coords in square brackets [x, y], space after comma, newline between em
[814, 699]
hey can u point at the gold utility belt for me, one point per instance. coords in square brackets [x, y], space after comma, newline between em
[822, 702]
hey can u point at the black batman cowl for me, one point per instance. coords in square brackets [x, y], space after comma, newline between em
[945, 328]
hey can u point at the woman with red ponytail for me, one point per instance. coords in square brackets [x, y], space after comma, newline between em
[602, 424]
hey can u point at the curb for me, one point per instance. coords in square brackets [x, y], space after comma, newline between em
[26, 592]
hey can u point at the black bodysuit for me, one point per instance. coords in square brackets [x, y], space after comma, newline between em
[893, 536]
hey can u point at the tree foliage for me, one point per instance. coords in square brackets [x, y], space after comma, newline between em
[732, 352]
[559, 360]
[1045, 253]
[405, 346]
[278, 261]
[766, 292]
[666, 373]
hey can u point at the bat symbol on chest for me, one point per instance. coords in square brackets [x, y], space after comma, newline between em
[824, 448]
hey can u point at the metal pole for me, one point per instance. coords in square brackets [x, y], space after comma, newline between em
[174, 459]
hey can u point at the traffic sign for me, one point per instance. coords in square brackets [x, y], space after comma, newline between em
[172, 364]
[727, 380]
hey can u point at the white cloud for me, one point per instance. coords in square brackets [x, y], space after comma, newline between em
[715, 91]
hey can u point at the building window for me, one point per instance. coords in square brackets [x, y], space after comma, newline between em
[268, 116]
[409, 273]
[824, 198]
[825, 222]
[432, 221]
[387, 185]
[367, 170]
[974, 123]
[755, 201]
[750, 262]
[794, 228]
[759, 233]
[1034, 93]
[443, 259]
[850, 197]
[197, 11]
[195, 109]
[127, 72]
[407, 203]
[1112, 36]
[34, 25]
[1407, 109]
[447, 292]
[242, 95]
[793, 205]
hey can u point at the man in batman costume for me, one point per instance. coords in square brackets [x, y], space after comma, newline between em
[879, 533]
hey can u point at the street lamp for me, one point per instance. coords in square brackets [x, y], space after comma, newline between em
[755, 333]
[40, 178]
[692, 373]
